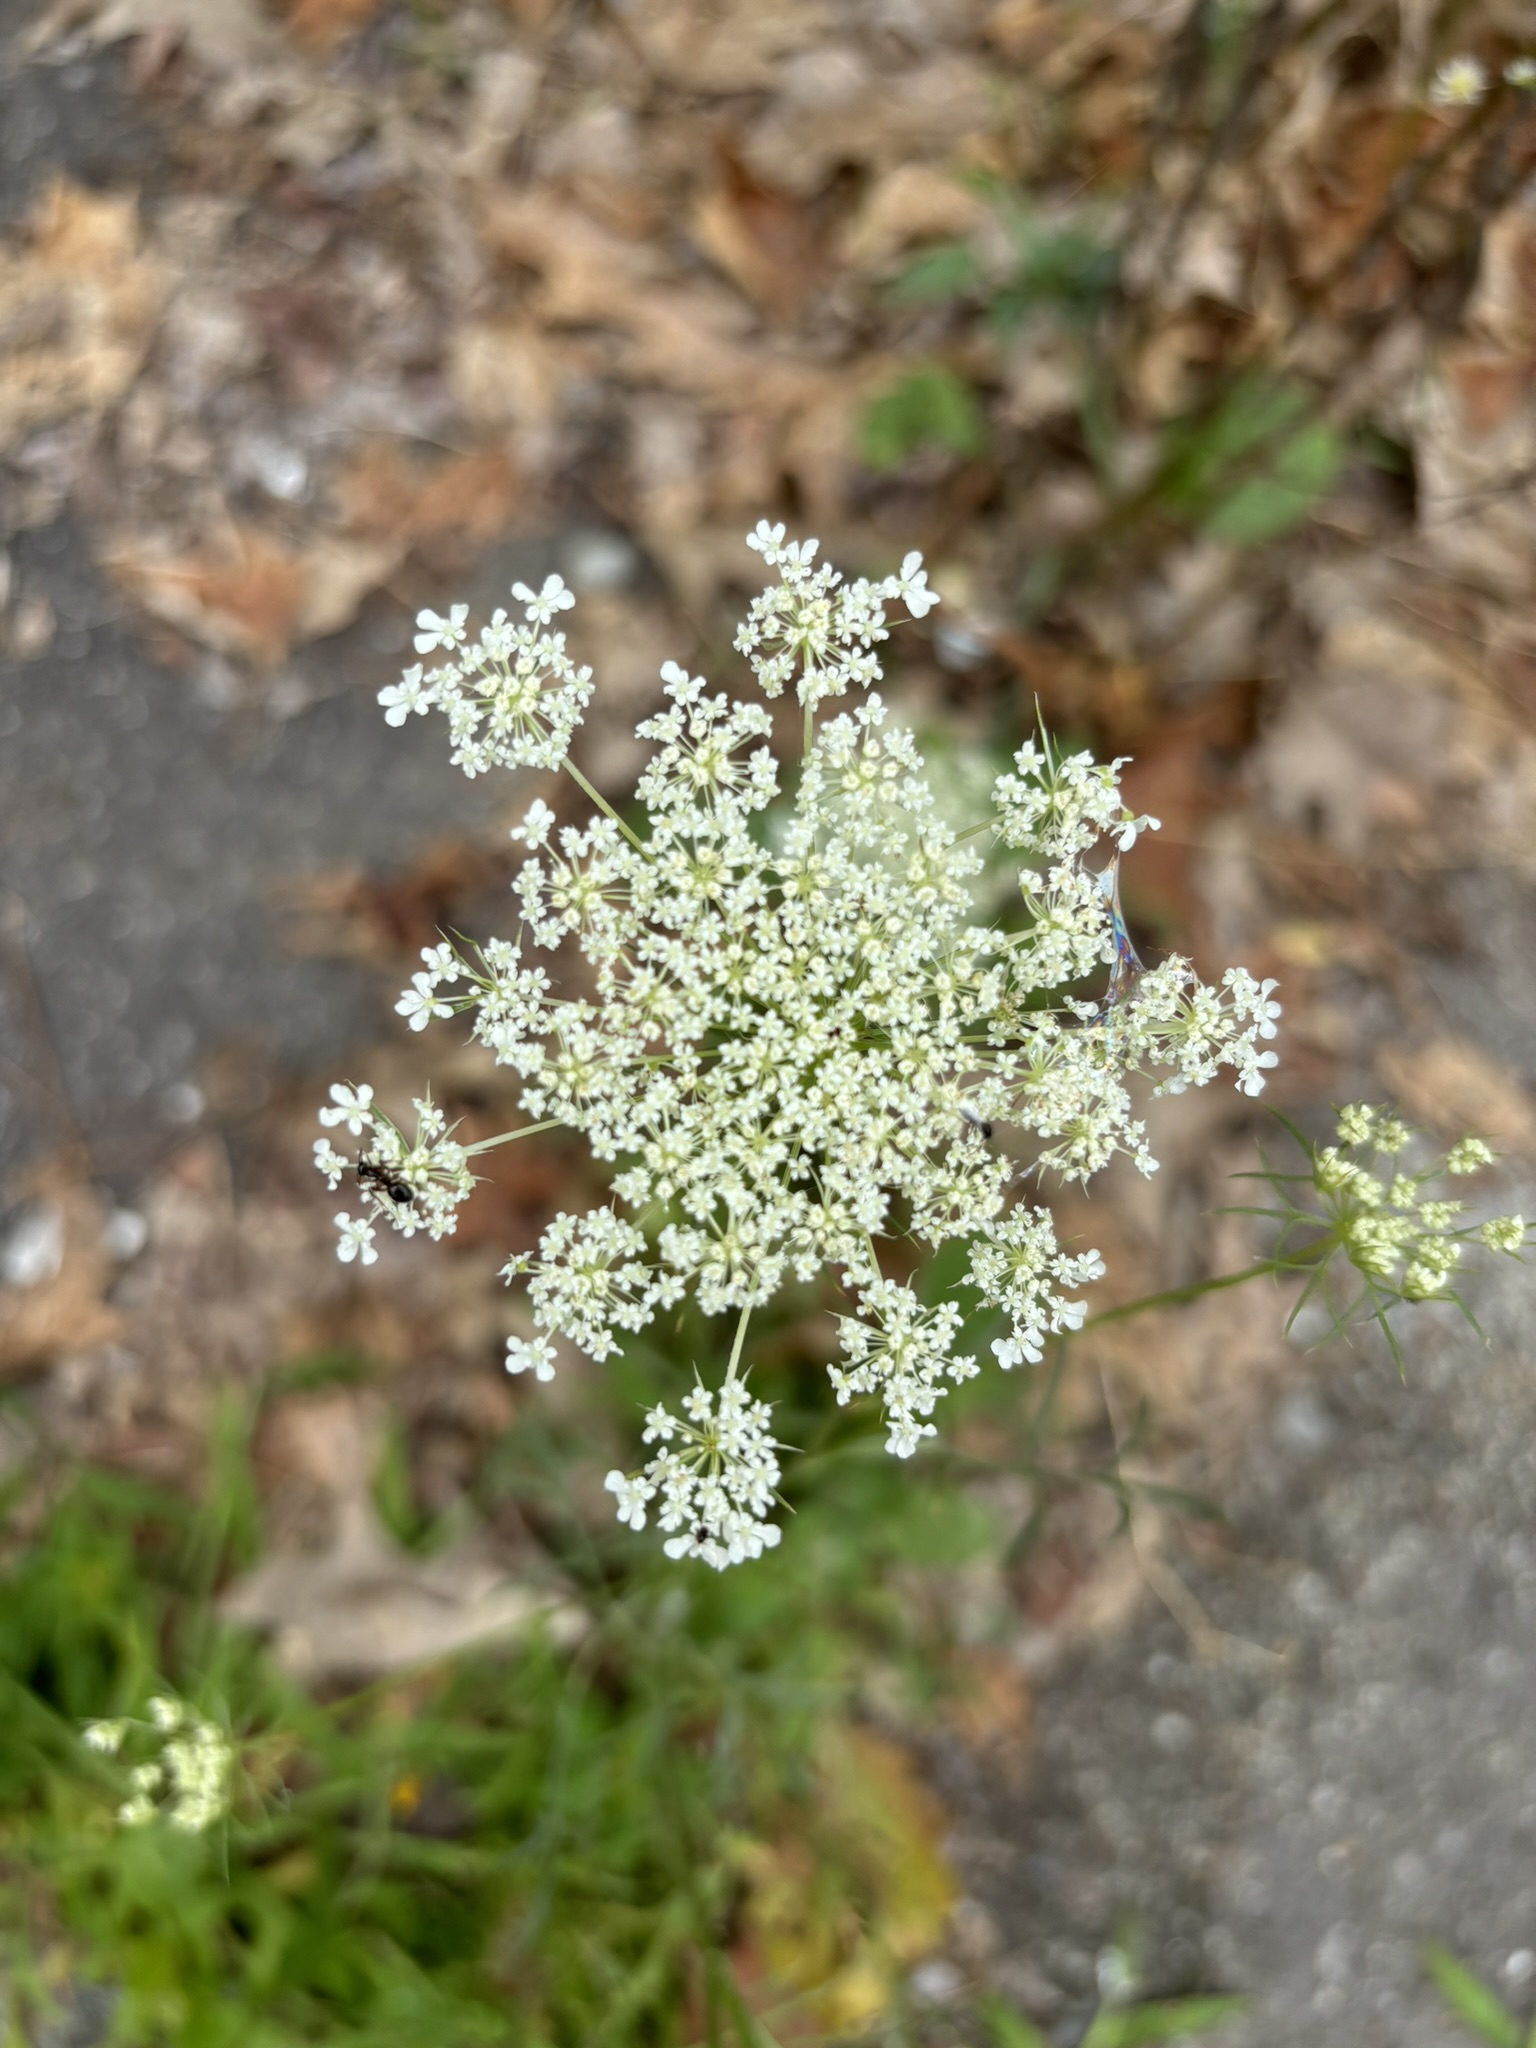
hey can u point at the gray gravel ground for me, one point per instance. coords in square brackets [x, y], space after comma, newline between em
[148, 823]
[1295, 1826]
[149, 820]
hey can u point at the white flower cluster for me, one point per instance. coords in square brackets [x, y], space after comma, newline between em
[1403, 1243]
[513, 697]
[187, 1783]
[794, 1036]
[414, 1185]
[716, 1477]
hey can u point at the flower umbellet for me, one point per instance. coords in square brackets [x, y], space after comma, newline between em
[185, 1780]
[797, 1029]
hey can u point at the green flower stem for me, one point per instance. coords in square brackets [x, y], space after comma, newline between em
[528, 1131]
[741, 1335]
[602, 803]
[1172, 1296]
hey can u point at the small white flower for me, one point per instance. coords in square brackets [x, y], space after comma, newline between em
[537, 1357]
[1520, 72]
[435, 632]
[441, 962]
[1009, 1352]
[1460, 82]
[408, 695]
[330, 1162]
[535, 828]
[632, 1495]
[356, 1239]
[420, 1004]
[911, 586]
[1131, 832]
[540, 609]
[351, 1107]
[106, 1737]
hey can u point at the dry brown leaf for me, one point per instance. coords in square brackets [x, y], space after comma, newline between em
[322, 24]
[337, 575]
[736, 47]
[912, 204]
[244, 598]
[504, 373]
[468, 497]
[253, 596]
[1453, 1088]
[66, 1311]
[990, 1708]
[589, 276]
[1504, 303]
[836, 108]
[79, 300]
[361, 1606]
[226, 35]
[766, 242]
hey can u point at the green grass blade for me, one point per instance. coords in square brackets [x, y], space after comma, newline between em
[1469, 1998]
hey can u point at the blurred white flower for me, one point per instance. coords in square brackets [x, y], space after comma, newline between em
[1460, 82]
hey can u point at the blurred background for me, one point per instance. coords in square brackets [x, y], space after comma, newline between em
[1194, 343]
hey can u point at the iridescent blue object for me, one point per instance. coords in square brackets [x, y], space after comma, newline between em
[1128, 962]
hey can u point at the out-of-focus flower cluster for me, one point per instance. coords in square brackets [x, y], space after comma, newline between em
[1403, 1236]
[796, 1034]
[186, 1782]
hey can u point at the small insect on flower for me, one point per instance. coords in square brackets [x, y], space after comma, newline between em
[384, 1181]
[977, 1123]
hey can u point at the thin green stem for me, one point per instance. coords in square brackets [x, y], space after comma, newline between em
[1172, 1296]
[810, 732]
[603, 804]
[552, 1123]
[741, 1337]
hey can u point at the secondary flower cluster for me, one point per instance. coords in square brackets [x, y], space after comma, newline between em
[1403, 1242]
[796, 1034]
[187, 1782]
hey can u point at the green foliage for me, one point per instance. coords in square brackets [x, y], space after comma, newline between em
[1007, 2028]
[1472, 2002]
[1171, 2020]
[929, 408]
[543, 1845]
[1252, 467]
[1066, 268]
[546, 1838]
[948, 271]
[1117, 2026]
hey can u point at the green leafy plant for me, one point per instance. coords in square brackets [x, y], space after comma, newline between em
[933, 407]
[1473, 2003]
[1253, 466]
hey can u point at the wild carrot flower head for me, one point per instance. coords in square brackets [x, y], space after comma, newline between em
[797, 1027]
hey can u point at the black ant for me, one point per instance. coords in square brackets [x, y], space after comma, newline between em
[385, 1181]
